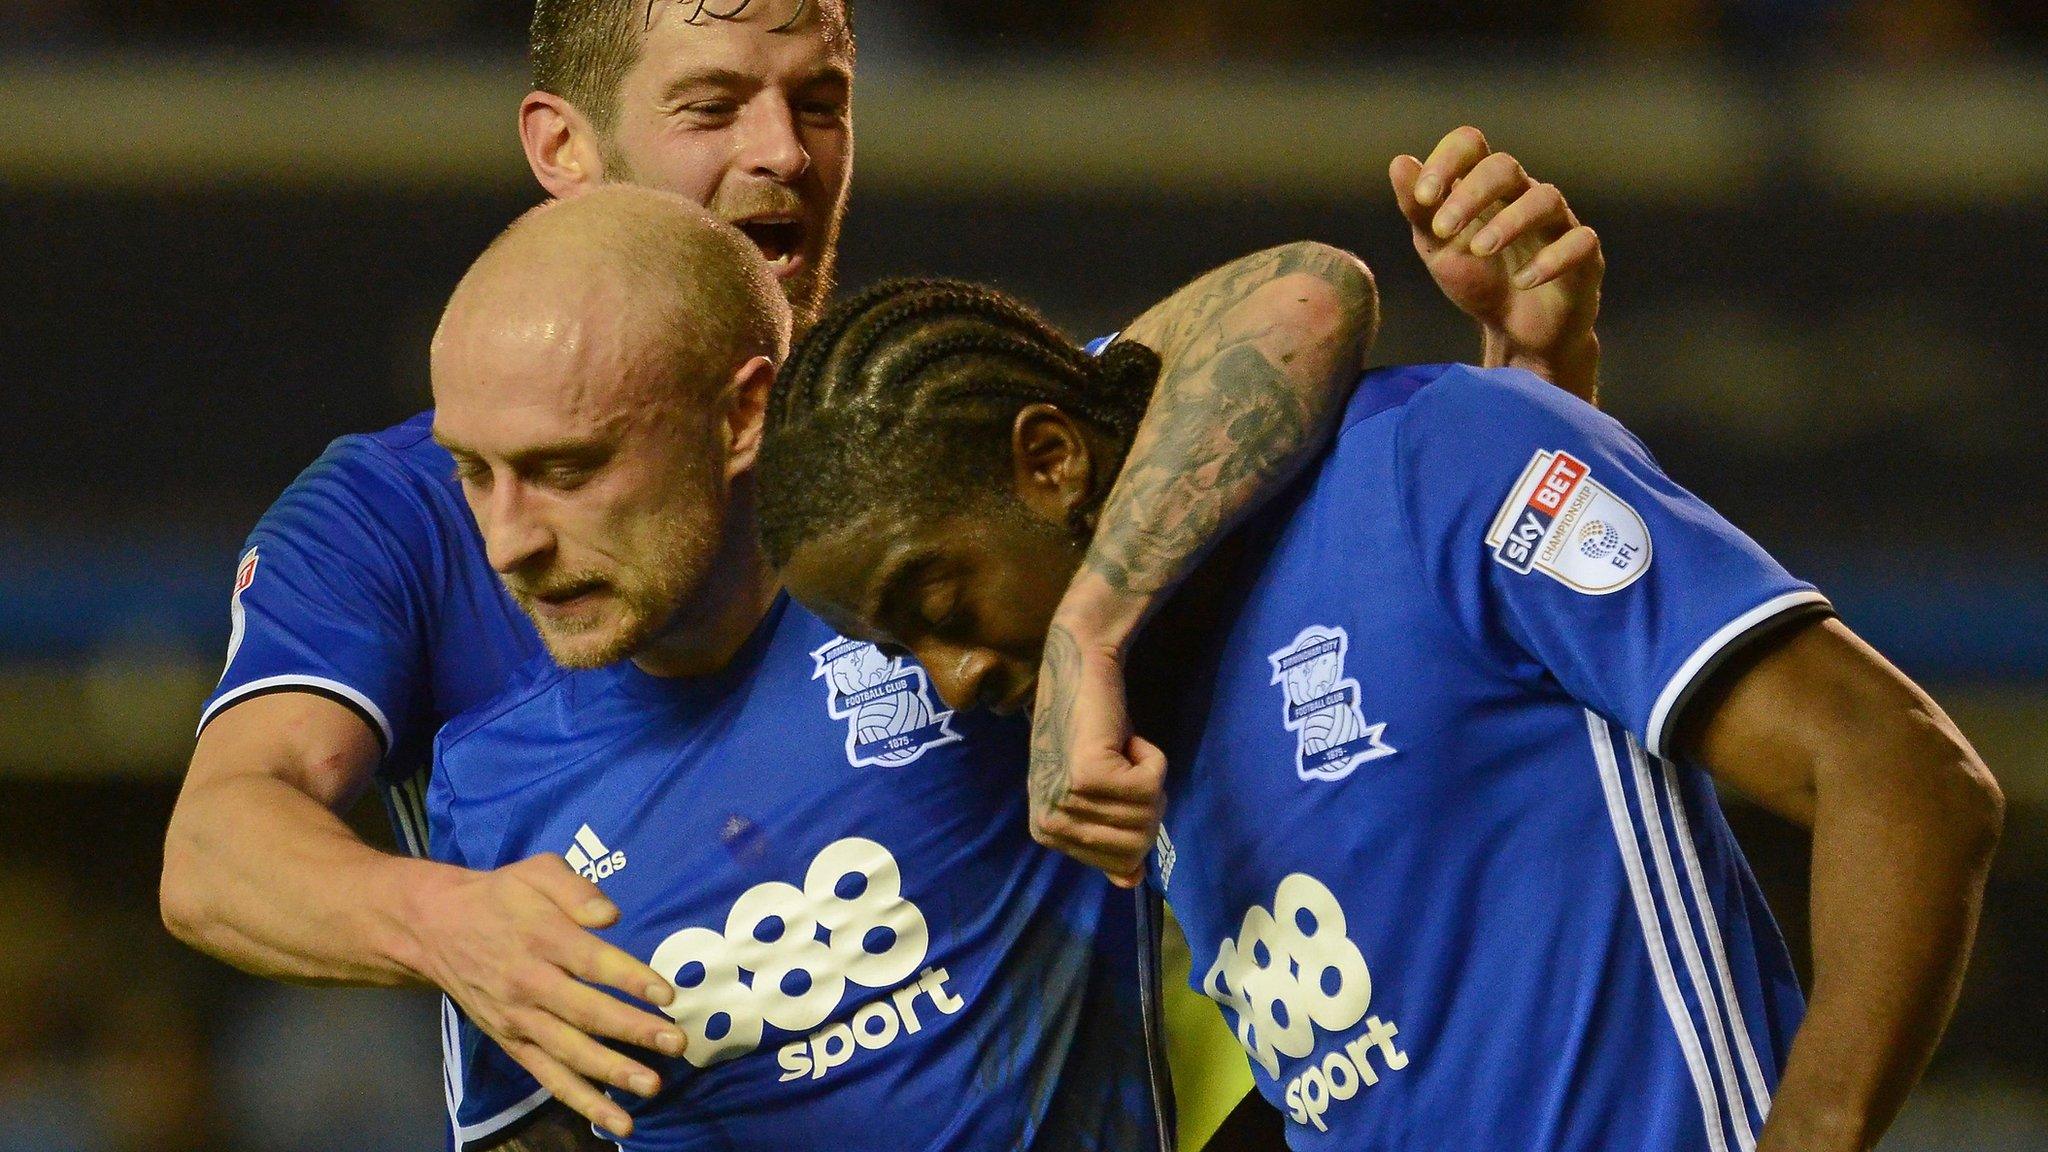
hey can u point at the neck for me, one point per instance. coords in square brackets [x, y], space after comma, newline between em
[713, 625]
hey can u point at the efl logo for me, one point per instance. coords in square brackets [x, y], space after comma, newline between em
[1292, 972]
[787, 954]
[1559, 521]
[245, 576]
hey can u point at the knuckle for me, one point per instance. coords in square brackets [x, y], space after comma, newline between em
[1058, 826]
[516, 1028]
[1470, 135]
[527, 982]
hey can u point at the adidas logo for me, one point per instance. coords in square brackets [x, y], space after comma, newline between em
[591, 859]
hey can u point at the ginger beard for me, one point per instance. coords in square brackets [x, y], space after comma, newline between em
[652, 563]
[775, 159]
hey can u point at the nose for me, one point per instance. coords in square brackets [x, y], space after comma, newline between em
[958, 674]
[770, 147]
[514, 536]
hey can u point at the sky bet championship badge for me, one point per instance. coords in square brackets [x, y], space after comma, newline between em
[890, 717]
[1321, 707]
[1561, 523]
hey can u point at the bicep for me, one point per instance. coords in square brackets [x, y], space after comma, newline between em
[308, 741]
[1806, 708]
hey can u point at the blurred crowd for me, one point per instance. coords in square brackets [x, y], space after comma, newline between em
[1155, 29]
[114, 1038]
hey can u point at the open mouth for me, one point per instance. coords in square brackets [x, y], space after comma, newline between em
[564, 597]
[780, 239]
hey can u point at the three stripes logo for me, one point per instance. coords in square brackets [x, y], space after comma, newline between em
[591, 859]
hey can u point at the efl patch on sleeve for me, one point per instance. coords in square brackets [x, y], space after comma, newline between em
[245, 575]
[1559, 521]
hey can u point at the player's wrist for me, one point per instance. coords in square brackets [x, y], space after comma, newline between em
[1573, 365]
[407, 938]
[1098, 615]
[1810, 1129]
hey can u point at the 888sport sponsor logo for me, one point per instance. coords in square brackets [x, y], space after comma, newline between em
[1292, 976]
[787, 955]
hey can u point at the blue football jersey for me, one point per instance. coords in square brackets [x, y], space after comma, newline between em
[1421, 831]
[868, 949]
[366, 582]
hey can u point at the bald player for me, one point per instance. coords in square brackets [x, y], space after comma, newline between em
[775, 800]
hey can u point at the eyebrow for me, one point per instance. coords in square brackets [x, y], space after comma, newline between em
[898, 577]
[729, 79]
[535, 454]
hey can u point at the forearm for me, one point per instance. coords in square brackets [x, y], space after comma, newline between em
[1258, 361]
[260, 875]
[1898, 878]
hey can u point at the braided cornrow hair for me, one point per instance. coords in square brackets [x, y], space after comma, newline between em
[906, 394]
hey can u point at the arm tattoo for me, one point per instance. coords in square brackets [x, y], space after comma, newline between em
[1227, 426]
[1060, 669]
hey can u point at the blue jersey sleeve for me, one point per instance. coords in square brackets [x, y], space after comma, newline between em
[1561, 549]
[329, 595]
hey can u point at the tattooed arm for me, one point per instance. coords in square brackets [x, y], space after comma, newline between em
[1239, 410]
[1258, 359]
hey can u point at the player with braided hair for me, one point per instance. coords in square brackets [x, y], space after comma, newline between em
[1436, 824]
[931, 370]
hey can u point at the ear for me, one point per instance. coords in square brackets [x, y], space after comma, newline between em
[561, 146]
[1054, 471]
[745, 412]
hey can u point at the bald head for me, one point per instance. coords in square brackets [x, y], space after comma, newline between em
[644, 275]
[599, 378]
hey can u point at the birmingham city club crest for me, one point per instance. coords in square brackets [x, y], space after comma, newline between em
[887, 704]
[1321, 706]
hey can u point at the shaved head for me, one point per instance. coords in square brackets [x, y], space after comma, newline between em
[599, 377]
[690, 289]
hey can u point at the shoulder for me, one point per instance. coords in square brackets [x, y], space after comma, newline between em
[1496, 403]
[401, 457]
[1383, 393]
[397, 482]
[529, 687]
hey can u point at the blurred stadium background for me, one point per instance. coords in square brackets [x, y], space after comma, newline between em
[231, 226]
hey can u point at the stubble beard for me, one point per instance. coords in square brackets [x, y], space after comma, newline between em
[809, 292]
[642, 609]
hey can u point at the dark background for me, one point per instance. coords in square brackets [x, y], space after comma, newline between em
[229, 228]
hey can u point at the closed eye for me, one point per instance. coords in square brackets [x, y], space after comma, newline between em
[938, 604]
[471, 471]
[565, 477]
